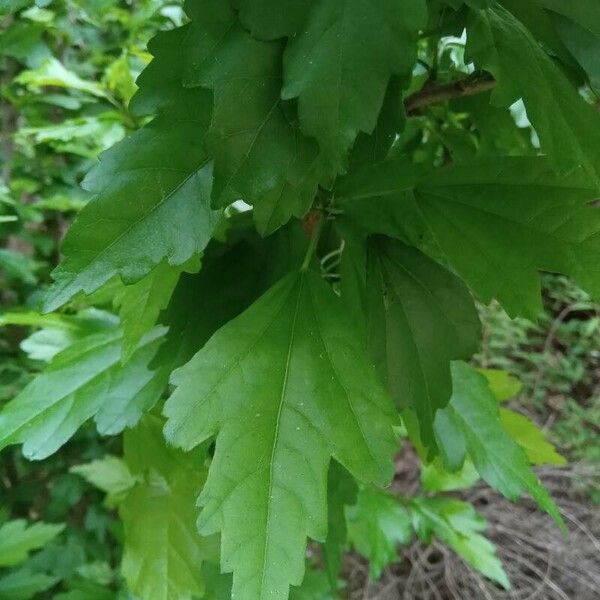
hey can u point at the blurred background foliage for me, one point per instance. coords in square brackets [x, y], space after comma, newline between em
[67, 73]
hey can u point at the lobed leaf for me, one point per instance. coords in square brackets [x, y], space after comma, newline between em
[285, 386]
[568, 127]
[163, 552]
[340, 64]
[83, 381]
[495, 222]
[377, 525]
[471, 424]
[18, 539]
[421, 317]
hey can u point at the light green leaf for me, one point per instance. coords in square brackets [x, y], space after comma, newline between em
[86, 380]
[496, 222]
[163, 554]
[435, 478]
[530, 438]
[377, 525]
[58, 331]
[501, 383]
[458, 525]
[24, 584]
[18, 539]
[340, 64]
[286, 385]
[568, 127]
[421, 317]
[18, 266]
[152, 204]
[109, 474]
[471, 423]
[260, 156]
[53, 73]
[84, 136]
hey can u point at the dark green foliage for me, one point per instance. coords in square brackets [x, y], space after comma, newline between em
[270, 280]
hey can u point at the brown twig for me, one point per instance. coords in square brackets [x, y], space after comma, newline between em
[475, 83]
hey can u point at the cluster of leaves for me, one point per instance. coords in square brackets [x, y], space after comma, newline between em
[557, 361]
[294, 240]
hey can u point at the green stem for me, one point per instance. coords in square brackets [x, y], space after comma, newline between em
[312, 246]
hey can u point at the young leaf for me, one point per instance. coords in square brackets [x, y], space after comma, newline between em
[530, 438]
[339, 66]
[152, 204]
[259, 154]
[377, 525]
[421, 317]
[285, 386]
[109, 474]
[495, 222]
[163, 553]
[435, 478]
[458, 525]
[17, 540]
[501, 383]
[471, 423]
[568, 127]
[85, 380]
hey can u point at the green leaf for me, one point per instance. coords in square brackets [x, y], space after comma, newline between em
[18, 266]
[58, 331]
[458, 525]
[502, 384]
[109, 474]
[421, 317]
[268, 20]
[86, 380]
[435, 478]
[341, 492]
[340, 64]
[24, 584]
[9, 6]
[578, 24]
[315, 586]
[259, 153]
[233, 276]
[286, 385]
[140, 303]
[18, 539]
[53, 73]
[152, 204]
[530, 438]
[161, 82]
[496, 222]
[377, 525]
[163, 552]
[471, 423]
[568, 127]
